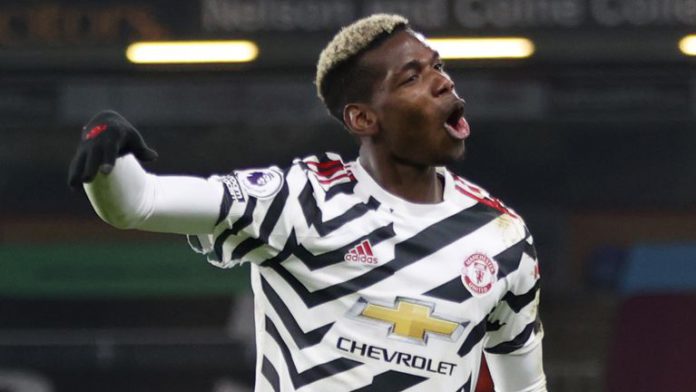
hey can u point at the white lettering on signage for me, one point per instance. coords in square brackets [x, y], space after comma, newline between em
[639, 13]
[278, 15]
[329, 15]
[518, 13]
[431, 14]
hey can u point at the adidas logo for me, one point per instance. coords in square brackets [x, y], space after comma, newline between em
[361, 253]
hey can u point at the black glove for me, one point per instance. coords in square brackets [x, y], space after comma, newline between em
[105, 137]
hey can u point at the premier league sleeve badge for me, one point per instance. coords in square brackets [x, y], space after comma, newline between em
[261, 183]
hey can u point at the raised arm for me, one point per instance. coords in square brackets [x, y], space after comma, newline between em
[124, 195]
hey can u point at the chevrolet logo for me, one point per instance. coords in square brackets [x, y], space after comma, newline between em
[410, 319]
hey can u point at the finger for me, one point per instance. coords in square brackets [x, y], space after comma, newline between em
[136, 145]
[92, 162]
[77, 165]
[108, 160]
[146, 154]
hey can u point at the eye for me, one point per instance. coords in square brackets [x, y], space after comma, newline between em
[439, 66]
[411, 79]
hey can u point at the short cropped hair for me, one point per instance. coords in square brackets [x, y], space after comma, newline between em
[340, 77]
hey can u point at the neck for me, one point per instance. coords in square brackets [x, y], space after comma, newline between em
[411, 182]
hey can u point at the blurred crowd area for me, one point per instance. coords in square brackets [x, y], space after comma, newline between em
[591, 140]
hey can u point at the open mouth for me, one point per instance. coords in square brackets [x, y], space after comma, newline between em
[456, 124]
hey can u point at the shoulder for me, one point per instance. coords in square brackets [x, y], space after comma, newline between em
[510, 225]
[467, 189]
[327, 166]
[517, 259]
[323, 174]
[327, 173]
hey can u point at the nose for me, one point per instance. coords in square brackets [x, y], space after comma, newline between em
[442, 84]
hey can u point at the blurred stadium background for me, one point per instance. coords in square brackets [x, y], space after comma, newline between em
[592, 139]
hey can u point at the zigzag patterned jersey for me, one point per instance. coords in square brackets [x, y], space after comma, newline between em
[359, 290]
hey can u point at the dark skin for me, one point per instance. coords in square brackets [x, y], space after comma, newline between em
[401, 130]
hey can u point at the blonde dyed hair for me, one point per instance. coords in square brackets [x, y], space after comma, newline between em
[352, 40]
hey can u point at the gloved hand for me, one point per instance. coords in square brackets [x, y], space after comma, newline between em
[106, 137]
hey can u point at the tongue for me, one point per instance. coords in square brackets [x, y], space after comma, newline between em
[460, 130]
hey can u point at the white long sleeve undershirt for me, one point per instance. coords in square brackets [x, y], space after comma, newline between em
[131, 198]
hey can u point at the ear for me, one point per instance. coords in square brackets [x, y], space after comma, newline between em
[360, 119]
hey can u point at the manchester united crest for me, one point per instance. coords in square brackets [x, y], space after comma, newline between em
[479, 273]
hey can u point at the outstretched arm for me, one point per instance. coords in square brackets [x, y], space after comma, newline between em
[130, 198]
[124, 195]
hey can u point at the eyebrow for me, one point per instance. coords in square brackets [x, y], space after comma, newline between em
[417, 64]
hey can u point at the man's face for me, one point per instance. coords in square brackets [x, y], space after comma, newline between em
[418, 112]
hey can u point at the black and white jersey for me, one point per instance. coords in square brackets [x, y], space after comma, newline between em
[359, 290]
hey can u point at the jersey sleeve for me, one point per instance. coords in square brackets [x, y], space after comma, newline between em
[514, 330]
[255, 218]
